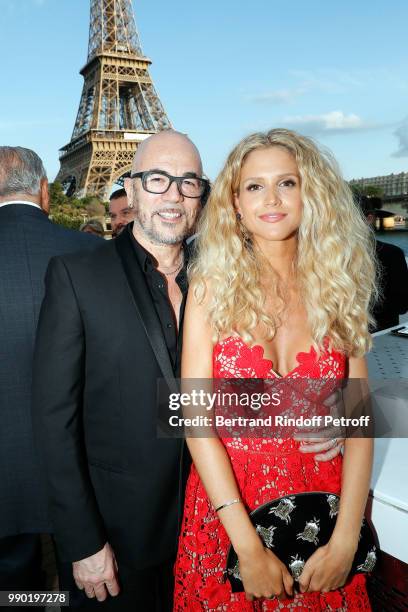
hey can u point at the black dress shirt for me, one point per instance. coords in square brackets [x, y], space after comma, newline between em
[157, 285]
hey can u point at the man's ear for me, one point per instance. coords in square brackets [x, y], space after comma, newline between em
[44, 196]
[128, 185]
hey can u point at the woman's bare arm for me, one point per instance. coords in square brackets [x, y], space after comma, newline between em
[356, 474]
[209, 455]
[329, 566]
[265, 575]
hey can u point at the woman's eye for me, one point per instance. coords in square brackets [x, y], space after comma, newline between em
[254, 187]
[288, 183]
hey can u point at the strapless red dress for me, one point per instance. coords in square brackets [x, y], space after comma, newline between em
[265, 469]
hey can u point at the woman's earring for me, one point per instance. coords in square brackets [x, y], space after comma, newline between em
[239, 216]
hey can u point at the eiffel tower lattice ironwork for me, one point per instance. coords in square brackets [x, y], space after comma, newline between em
[119, 105]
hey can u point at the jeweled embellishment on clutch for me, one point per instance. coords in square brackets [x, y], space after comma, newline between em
[334, 503]
[310, 531]
[369, 563]
[266, 534]
[296, 566]
[284, 509]
[235, 571]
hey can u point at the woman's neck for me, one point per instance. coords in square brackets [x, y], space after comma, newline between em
[279, 256]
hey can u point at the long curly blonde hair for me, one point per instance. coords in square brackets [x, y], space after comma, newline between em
[335, 262]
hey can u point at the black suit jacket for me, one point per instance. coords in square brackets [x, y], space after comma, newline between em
[110, 478]
[394, 285]
[27, 241]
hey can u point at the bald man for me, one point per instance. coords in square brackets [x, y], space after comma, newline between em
[114, 487]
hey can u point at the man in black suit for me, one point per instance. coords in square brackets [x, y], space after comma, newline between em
[108, 331]
[393, 285]
[393, 275]
[27, 242]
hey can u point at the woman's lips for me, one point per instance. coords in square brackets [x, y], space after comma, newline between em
[273, 217]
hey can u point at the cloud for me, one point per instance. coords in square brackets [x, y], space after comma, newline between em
[335, 81]
[402, 136]
[279, 96]
[329, 82]
[334, 122]
[332, 82]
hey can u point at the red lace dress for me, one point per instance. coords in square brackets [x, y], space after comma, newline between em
[265, 469]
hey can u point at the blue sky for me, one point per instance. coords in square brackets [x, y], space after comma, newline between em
[337, 71]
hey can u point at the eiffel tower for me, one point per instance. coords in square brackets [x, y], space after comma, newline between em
[119, 105]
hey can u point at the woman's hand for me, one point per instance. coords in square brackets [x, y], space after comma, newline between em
[328, 568]
[264, 575]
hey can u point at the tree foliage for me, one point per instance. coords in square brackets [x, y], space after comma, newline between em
[72, 212]
[67, 221]
[371, 191]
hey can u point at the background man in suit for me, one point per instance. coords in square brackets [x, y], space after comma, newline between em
[27, 241]
[394, 286]
[108, 331]
[119, 211]
[393, 274]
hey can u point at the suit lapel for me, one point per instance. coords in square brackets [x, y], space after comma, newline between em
[144, 306]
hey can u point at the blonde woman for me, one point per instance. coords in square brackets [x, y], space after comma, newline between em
[281, 287]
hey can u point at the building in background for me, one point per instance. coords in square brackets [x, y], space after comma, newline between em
[393, 186]
[393, 190]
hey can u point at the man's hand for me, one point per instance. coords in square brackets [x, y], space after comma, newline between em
[326, 449]
[97, 574]
[329, 445]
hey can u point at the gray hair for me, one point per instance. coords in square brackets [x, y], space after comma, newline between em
[93, 224]
[21, 171]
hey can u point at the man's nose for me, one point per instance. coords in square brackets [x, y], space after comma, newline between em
[173, 193]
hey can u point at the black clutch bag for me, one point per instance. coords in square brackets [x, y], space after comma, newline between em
[294, 526]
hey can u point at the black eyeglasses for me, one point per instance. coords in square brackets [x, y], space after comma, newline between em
[155, 181]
